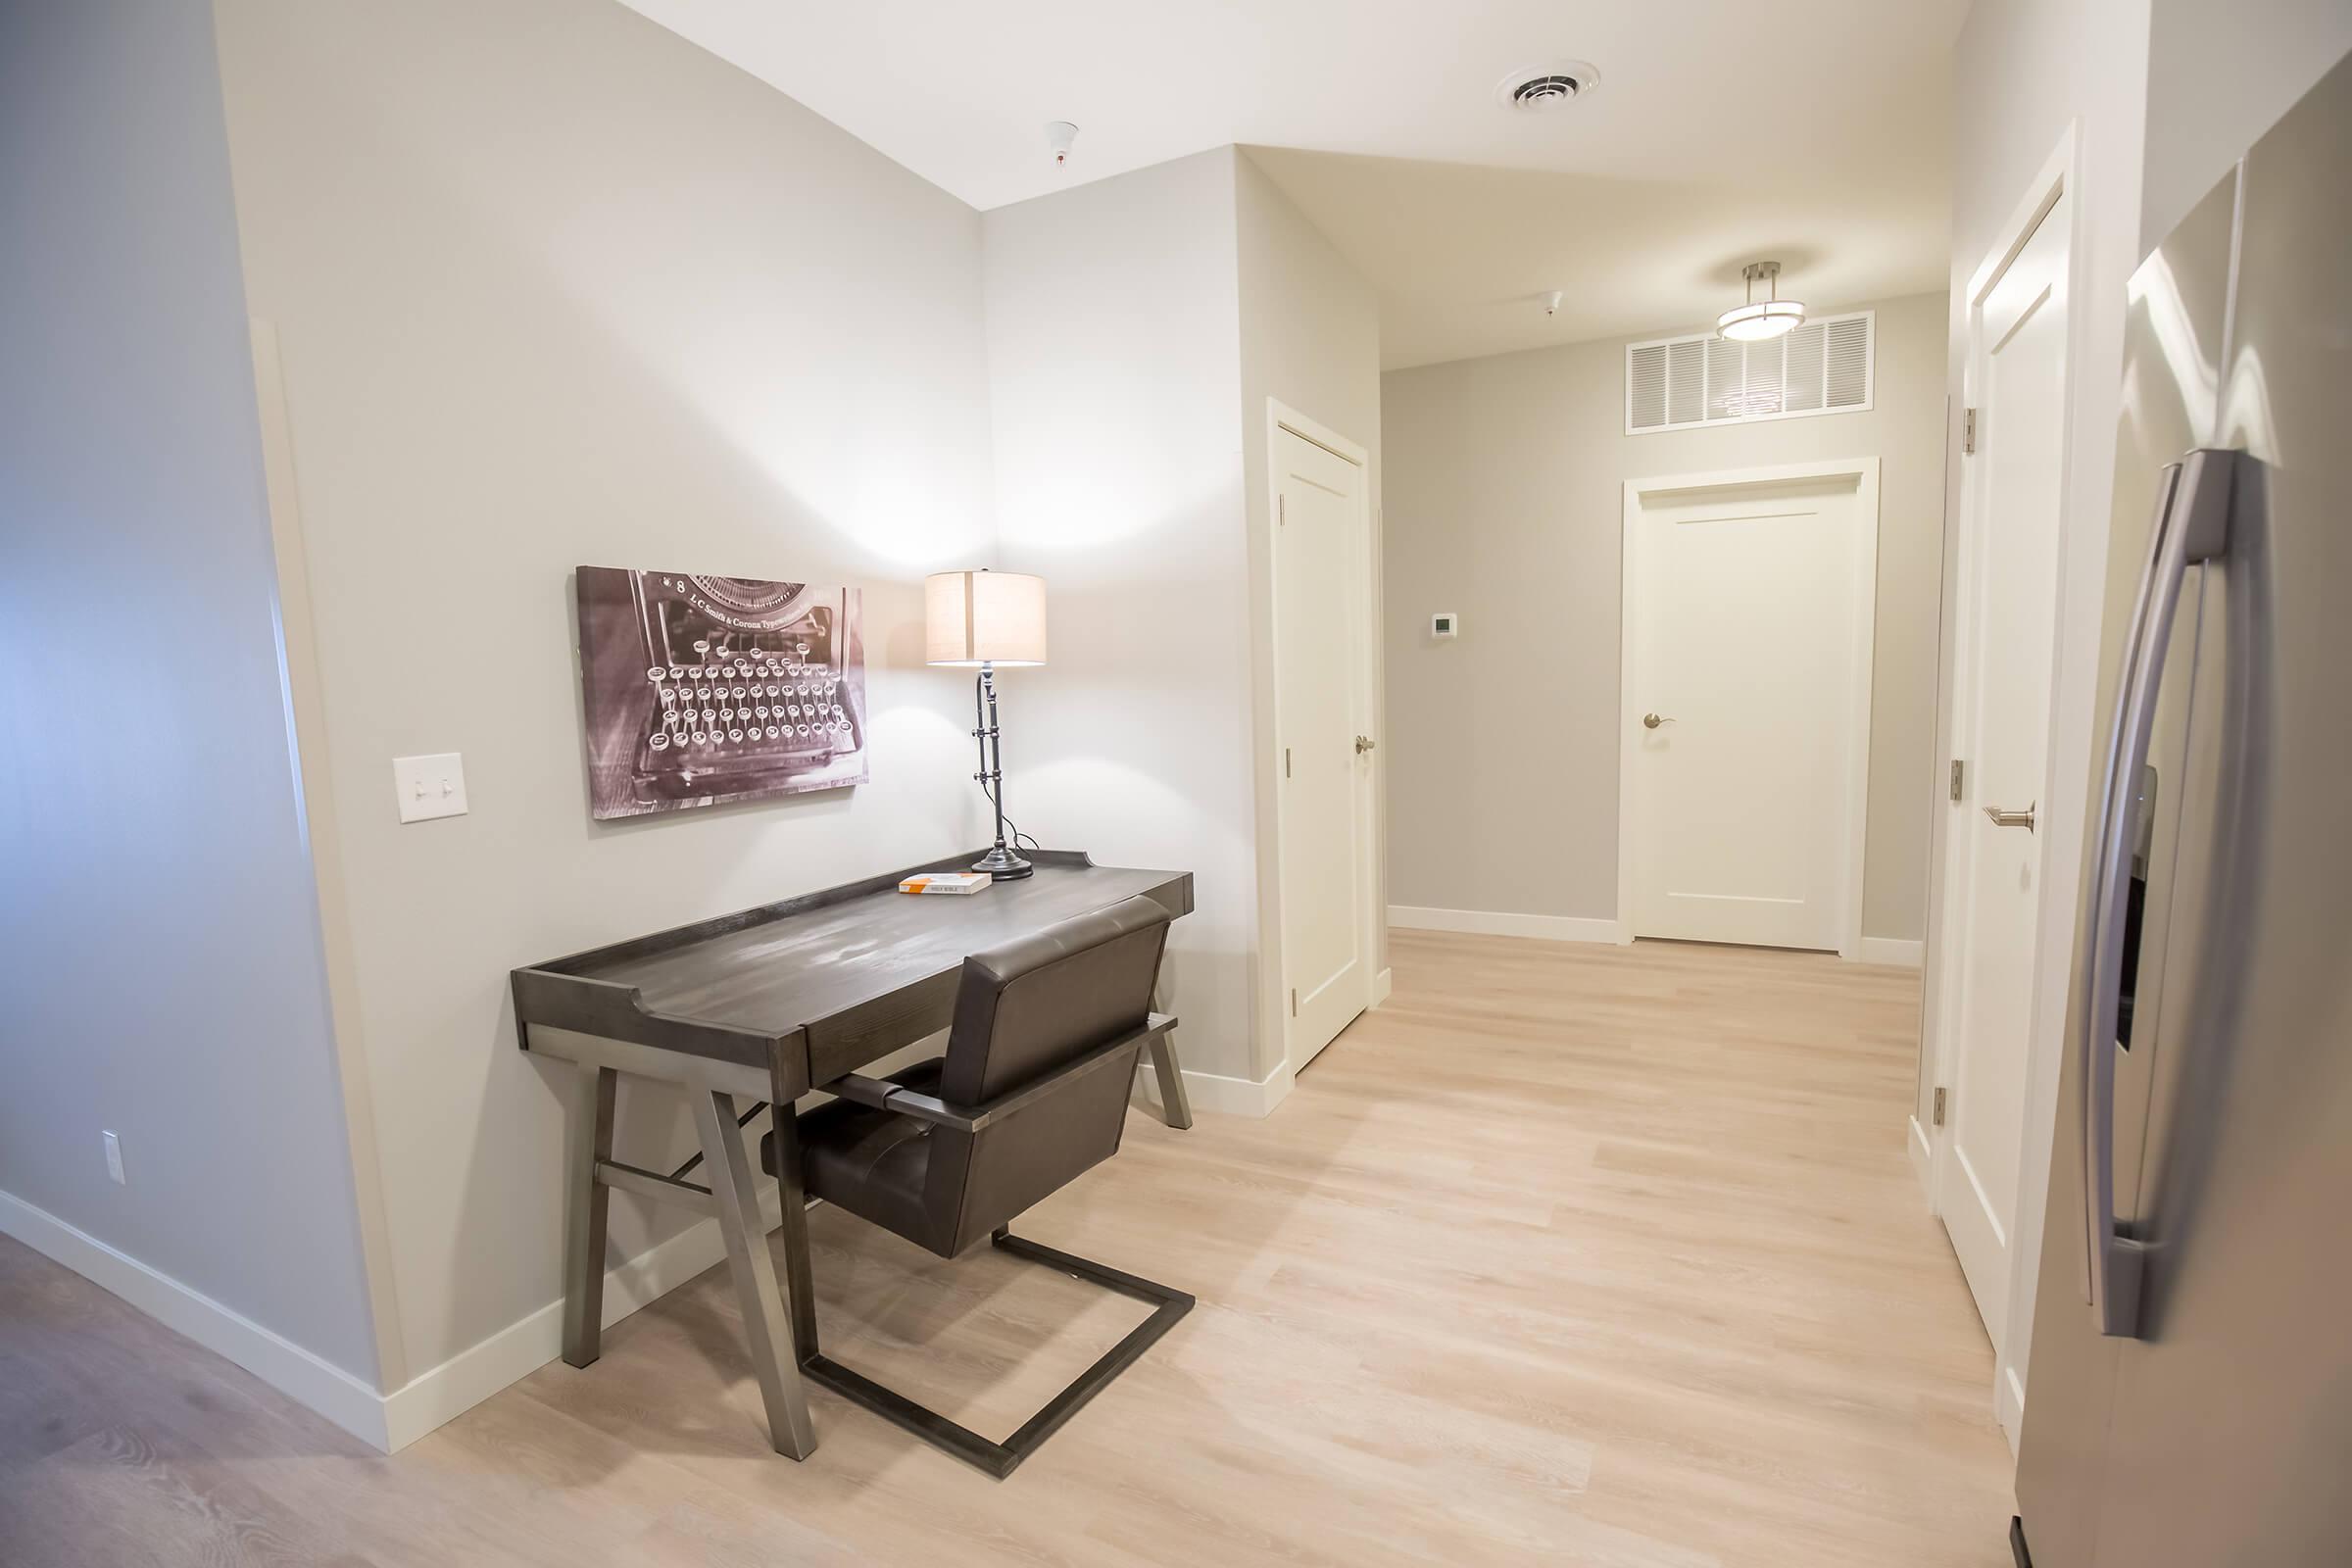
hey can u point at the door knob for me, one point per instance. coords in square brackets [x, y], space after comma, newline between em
[2001, 818]
[1652, 722]
[1363, 743]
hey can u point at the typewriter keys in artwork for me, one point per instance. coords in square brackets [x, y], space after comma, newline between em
[733, 688]
[766, 702]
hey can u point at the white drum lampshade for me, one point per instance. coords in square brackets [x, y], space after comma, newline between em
[984, 617]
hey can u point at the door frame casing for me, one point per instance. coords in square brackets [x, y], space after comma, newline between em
[1273, 899]
[2059, 177]
[1864, 597]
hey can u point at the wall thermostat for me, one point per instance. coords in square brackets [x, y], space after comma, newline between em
[1445, 624]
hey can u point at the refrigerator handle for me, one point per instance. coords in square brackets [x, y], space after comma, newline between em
[2192, 527]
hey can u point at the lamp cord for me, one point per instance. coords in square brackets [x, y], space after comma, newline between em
[1013, 834]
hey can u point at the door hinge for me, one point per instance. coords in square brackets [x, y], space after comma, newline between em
[1294, 1001]
[1958, 771]
[1968, 433]
[1282, 509]
[1938, 1108]
[1286, 765]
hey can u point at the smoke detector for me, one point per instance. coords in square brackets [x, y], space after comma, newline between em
[1547, 86]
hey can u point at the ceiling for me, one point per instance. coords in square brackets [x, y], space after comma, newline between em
[1813, 131]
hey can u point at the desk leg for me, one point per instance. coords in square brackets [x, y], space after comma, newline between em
[799, 1284]
[764, 1324]
[1175, 1105]
[587, 1201]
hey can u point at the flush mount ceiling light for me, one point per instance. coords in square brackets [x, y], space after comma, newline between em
[1768, 316]
[1536, 89]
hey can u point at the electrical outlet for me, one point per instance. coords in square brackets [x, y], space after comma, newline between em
[114, 1157]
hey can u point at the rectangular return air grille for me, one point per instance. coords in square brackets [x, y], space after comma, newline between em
[1824, 366]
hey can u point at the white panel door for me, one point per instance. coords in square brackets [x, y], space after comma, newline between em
[2008, 598]
[1748, 607]
[1323, 697]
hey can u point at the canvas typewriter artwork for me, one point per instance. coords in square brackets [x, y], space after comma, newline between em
[700, 690]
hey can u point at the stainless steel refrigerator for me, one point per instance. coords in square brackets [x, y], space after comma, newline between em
[2189, 1401]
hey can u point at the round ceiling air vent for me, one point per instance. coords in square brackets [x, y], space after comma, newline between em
[1547, 86]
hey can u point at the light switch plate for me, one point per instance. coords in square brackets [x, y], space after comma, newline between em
[430, 786]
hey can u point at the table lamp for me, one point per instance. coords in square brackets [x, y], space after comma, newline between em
[978, 620]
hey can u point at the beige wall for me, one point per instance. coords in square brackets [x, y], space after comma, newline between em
[160, 952]
[555, 287]
[1504, 489]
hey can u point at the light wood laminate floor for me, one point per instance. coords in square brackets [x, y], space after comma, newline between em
[1568, 1255]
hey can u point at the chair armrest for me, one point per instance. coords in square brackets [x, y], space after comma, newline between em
[883, 1095]
[934, 1111]
[856, 1086]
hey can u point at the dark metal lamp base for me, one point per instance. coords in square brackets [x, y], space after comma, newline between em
[1003, 864]
[999, 1459]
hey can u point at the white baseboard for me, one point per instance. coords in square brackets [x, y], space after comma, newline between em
[2009, 1406]
[516, 1352]
[349, 1401]
[1499, 923]
[1892, 950]
[389, 1422]
[1923, 1160]
[1382, 984]
[392, 1421]
[1217, 1094]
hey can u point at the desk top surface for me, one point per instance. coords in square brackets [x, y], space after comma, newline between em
[790, 966]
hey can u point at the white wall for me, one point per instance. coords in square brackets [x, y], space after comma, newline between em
[1505, 480]
[158, 933]
[1114, 364]
[554, 287]
[2220, 75]
[2161, 95]
[542, 285]
[2027, 71]
[1311, 324]
[1135, 328]
[1310, 340]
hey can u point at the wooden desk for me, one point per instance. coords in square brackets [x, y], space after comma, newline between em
[764, 1004]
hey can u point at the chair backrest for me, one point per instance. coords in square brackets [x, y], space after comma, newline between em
[1027, 1015]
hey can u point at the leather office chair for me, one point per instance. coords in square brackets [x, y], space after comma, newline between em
[1031, 1094]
